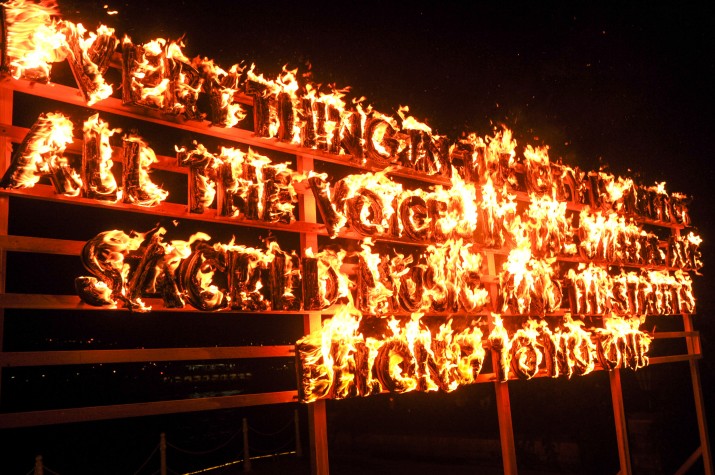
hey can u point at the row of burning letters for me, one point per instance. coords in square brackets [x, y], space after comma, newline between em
[447, 278]
[250, 185]
[338, 362]
[158, 75]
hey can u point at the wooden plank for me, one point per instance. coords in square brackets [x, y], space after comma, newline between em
[122, 411]
[688, 464]
[41, 245]
[169, 210]
[619, 416]
[673, 359]
[6, 104]
[312, 321]
[506, 428]
[54, 358]
[694, 350]
[73, 302]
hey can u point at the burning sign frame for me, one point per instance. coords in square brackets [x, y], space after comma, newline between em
[510, 199]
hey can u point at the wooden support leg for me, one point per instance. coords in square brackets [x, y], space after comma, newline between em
[506, 432]
[317, 419]
[694, 349]
[619, 415]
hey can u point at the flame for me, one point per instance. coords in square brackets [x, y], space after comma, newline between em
[102, 182]
[498, 211]
[34, 40]
[42, 153]
[223, 87]
[87, 72]
[143, 191]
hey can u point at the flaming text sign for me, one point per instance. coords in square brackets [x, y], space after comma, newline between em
[512, 252]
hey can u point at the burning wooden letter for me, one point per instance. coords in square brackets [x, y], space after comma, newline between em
[332, 213]
[31, 39]
[98, 182]
[382, 141]
[323, 283]
[501, 354]
[244, 267]
[202, 173]
[89, 59]
[283, 279]
[157, 75]
[525, 354]
[41, 153]
[137, 186]
[222, 88]
[103, 256]
[196, 276]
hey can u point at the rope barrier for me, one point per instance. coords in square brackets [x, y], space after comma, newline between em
[289, 424]
[141, 467]
[291, 442]
[236, 462]
[31, 470]
[208, 469]
[203, 452]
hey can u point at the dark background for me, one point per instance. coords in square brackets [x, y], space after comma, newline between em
[626, 86]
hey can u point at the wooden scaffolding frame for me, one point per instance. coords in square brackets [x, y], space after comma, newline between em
[308, 228]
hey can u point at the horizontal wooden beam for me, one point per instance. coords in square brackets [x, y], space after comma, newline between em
[41, 245]
[73, 302]
[674, 358]
[55, 358]
[122, 411]
[170, 210]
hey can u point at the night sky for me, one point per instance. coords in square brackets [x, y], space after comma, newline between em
[627, 85]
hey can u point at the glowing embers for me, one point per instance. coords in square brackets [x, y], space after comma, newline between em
[373, 205]
[246, 185]
[41, 153]
[32, 39]
[158, 75]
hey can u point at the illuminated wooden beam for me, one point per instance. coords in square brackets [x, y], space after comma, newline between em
[54, 358]
[122, 411]
[41, 245]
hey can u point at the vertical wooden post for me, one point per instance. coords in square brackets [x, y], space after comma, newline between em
[506, 431]
[298, 443]
[312, 321]
[6, 98]
[619, 416]
[39, 468]
[162, 453]
[246, 448]
[694, 349]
